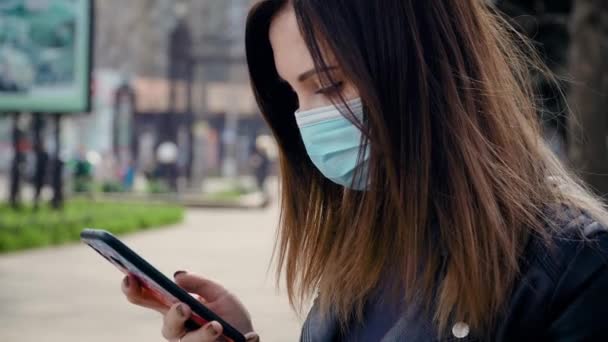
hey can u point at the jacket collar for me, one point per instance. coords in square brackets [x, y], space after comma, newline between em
[319, 327]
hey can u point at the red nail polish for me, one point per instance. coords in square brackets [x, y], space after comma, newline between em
[213, 329]
[180, 310]
[178, 273]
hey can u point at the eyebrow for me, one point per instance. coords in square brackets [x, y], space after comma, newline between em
[304, 76]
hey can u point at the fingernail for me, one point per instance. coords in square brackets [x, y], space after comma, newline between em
[214, 327]
[127, 282]
[180, 310]
[178, 273]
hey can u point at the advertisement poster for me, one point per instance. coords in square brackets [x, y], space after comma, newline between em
[45, 55]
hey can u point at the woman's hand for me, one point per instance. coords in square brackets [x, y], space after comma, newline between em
[211, 294]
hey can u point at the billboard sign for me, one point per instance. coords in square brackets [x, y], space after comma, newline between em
[45, 55]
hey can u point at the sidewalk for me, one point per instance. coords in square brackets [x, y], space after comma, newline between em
[70, 294]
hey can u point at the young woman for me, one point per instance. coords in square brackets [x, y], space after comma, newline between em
[419, 202]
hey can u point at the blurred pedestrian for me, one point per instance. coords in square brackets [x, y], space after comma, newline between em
[128, 176]
[260, 163]
[418, 201]
[82, 172]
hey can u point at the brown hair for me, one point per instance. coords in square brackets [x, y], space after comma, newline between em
[460, 177]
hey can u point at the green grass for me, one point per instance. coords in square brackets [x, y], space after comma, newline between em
[26, 228]
[226, 195]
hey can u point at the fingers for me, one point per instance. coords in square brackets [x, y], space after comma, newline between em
[174, 320]
[252, 337]
[206, 288]
[200, 299]
[211, 332]
[136, 295]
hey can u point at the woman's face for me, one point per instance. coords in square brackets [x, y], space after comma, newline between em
[295, 65]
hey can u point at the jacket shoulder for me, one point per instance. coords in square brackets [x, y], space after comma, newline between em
[558, 274]
[578, 302]
[571, 232]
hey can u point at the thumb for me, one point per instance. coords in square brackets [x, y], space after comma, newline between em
[206, 288]
[208, 333]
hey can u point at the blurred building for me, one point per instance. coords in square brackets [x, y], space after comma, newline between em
[165, 70]
[133, 36]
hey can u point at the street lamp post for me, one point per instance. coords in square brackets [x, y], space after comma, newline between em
[18, 158]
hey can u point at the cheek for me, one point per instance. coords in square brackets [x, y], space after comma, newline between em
[350, 92]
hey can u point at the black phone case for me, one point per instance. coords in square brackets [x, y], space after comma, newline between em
[91, 236]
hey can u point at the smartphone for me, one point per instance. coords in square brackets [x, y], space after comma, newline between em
[158, 285]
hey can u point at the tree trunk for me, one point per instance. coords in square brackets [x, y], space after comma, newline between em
[588, 97]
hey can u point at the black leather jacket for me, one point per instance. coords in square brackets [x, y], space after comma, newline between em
[562, 294]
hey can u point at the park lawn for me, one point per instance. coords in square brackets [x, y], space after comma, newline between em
[229, 195]
[26, 228]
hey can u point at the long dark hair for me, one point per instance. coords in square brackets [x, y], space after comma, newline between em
[459, 173]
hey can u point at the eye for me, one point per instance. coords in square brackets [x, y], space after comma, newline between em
[330, 89]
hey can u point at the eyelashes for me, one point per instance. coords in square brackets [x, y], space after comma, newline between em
[330, 89]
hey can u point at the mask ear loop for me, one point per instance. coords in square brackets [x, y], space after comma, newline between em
[362, 171]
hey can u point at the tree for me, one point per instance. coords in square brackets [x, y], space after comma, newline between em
[546, 22]
[588, 96]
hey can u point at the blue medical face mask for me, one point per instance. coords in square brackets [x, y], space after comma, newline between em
[333, 144]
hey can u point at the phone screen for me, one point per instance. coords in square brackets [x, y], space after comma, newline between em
[159, 286]
[128, 268]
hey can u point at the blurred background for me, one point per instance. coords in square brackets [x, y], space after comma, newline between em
[136, 115]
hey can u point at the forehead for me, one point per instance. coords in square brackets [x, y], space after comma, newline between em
[291, 54]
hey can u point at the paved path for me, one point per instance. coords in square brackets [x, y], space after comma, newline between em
[70, 294]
